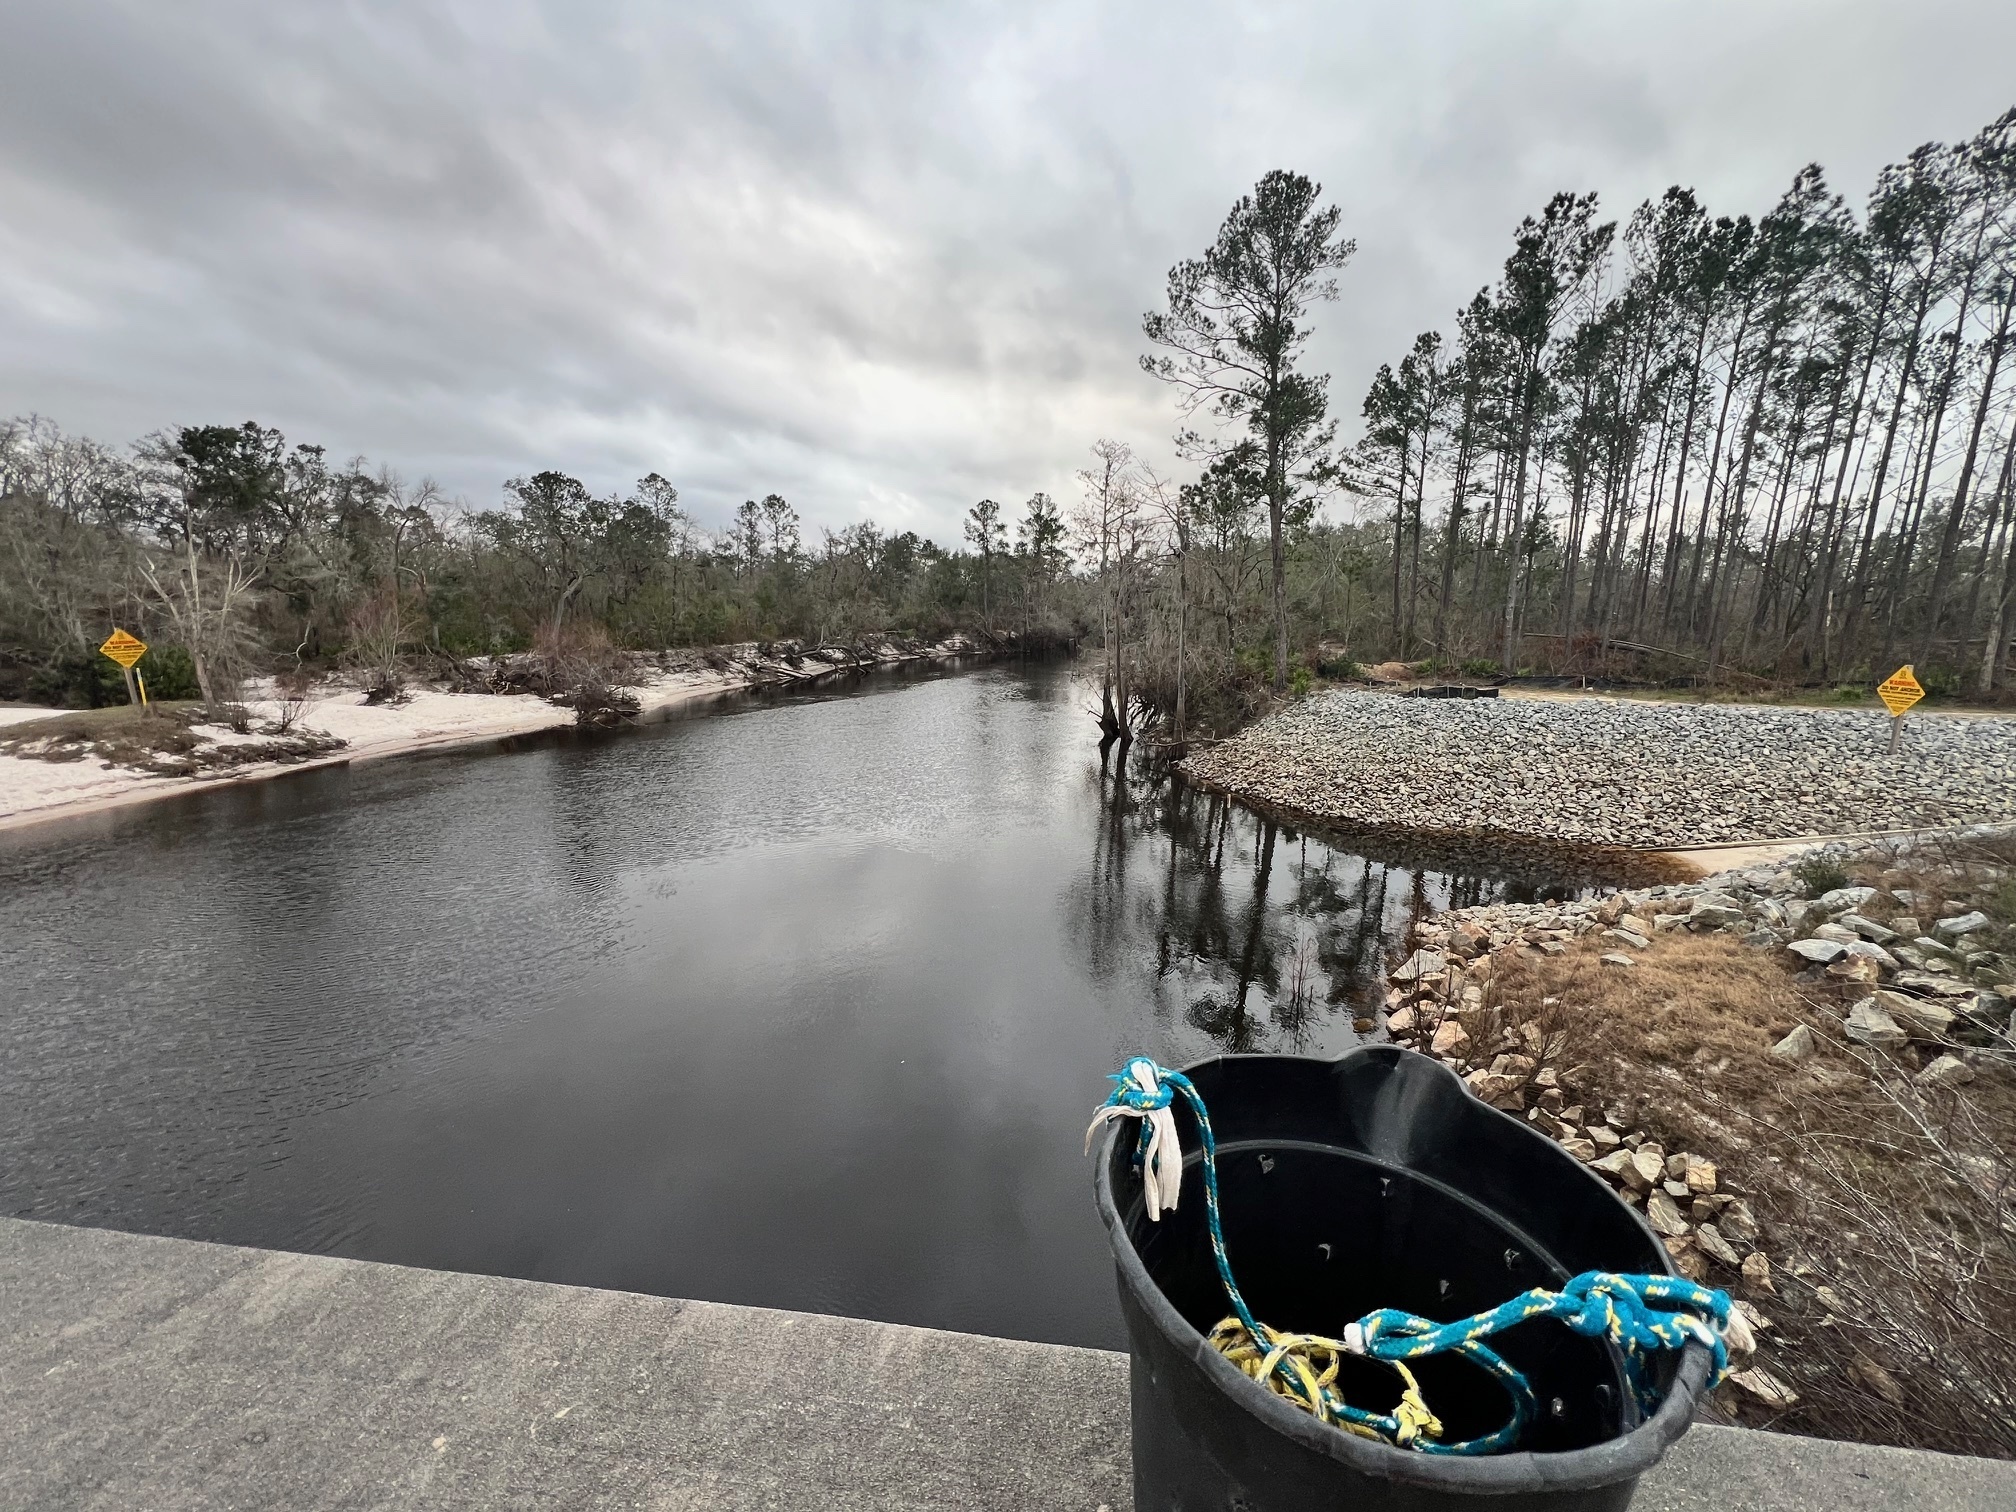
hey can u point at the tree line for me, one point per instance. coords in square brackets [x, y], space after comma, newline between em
[1700, 447]
[1780, 446]
[237, 554]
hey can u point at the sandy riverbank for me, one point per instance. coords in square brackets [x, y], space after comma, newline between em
[34, 791]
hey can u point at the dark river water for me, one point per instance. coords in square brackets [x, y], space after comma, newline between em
[800, 1000]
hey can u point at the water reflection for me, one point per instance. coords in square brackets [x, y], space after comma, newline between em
[1263, 936]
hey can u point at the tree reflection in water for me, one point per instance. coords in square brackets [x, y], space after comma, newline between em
[1264, 937]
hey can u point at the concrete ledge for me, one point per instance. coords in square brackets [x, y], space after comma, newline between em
[158, 1373]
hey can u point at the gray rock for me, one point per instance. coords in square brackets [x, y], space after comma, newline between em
[1947, 1071]
[1863, 950]
[1834, 932]
[1738, 1223]
[1819, 952]
[1989, 1008]
[1664, 1216]
[1421, 963]
[1966, 923]
[1922, 1016]
[1714, 917]
[1627, 937]
[1854, 968]
[1844, 898]
[1869, 929]
[1905, 926]
[1617, 1165]
[1616, 958]
[1938, 984]
[1715, 1247]
[1767, 1388]
[1870, 1025]
[1798, 1047]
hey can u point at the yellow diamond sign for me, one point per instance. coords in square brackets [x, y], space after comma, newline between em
[123, 648]
[1899, 691]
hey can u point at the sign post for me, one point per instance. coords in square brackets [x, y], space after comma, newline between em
[1899, 691]
[127, 649]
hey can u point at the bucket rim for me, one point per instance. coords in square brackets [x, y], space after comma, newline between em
[1625, 1457]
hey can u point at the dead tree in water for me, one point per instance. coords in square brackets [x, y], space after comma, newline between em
[1113, 528]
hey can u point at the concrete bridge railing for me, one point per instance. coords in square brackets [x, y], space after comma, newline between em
[161, 1374]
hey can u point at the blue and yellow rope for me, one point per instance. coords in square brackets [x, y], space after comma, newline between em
[1641, 1314]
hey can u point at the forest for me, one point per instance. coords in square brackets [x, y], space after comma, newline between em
[1762, 452]
[1780, 447]
[236, 555]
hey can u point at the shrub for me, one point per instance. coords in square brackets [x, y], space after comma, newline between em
[1480, 666]
[170, 673]
[1820, 874]
[1942, 682]
[580, 653]
[86, 680]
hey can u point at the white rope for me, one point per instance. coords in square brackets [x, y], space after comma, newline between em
[1162, 1171]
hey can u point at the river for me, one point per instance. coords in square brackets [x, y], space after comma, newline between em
[799, 1000]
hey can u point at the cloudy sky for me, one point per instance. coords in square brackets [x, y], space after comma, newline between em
[883, 258]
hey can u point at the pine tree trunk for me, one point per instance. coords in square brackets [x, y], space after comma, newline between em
[1956, 518]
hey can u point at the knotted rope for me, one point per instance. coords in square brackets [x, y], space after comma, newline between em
[1640, 1314]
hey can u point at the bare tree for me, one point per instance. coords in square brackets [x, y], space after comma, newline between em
[1112, 527]
[208, 603]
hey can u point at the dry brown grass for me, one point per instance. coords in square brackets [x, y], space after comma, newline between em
[124, 734]
[1888, 1212]
[159, 739]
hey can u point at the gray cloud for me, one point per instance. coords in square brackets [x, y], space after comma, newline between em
[882, 258]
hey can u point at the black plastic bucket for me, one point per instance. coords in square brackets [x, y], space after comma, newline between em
[1376, 1180]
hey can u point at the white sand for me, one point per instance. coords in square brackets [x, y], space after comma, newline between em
[32, 791]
